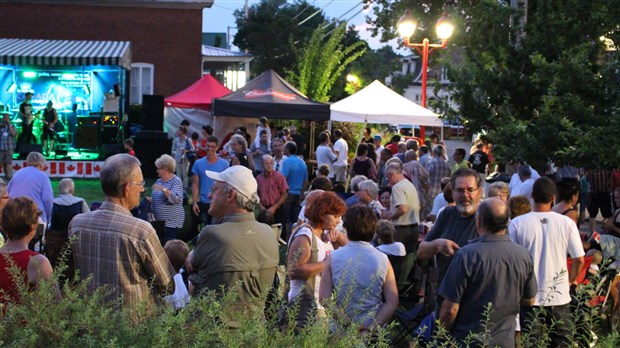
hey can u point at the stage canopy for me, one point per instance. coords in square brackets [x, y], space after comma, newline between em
[194, 104]
[271, 96]
[199, 95]
[376, 103]
[64, 52]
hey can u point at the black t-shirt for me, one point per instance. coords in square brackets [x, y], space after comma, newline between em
[479, 161]
[451, 225]
[300, 140]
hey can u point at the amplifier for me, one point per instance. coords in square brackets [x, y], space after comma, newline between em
[88, 120]
[110, 120]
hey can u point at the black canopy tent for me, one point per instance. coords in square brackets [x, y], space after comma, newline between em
[271, 96]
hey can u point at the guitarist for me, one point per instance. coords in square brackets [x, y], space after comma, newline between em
[25, 113]
[50, 118]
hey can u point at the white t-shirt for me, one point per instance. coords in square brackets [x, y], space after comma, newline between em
[549, 237]
[378, 152]
[325, 155]
[516, 181]
[324, 250]
[525, 189]
[405, 193]
[396, 248]
[342, 148]
[180, 298]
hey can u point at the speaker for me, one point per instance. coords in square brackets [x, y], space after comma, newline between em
[148, 150]
[25, 149]
[108, 150]
[87, 137]
[108, 135]
[153, 109]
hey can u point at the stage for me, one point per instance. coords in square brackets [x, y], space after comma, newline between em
[73, 165]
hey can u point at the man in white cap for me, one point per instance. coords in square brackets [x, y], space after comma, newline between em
[237, 251]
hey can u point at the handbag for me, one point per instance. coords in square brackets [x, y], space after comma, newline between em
[303, 307]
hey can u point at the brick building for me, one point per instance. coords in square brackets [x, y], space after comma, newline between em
[165, 36]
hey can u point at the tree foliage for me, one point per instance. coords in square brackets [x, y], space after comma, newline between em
[544, 91]
[323, 62]
[272, 33]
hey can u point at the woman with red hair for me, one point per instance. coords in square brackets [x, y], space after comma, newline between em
[309, 246]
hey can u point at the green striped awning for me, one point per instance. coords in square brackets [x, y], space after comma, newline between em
[64, 52]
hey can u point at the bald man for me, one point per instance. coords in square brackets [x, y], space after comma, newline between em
[491, 269]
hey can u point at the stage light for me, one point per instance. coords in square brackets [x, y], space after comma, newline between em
[12, 87]
[29, 74]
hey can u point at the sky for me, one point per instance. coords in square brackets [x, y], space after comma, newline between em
[220, 16]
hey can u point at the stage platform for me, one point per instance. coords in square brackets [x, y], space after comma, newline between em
[75, 164]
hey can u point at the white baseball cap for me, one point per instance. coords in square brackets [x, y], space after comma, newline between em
[238, 177]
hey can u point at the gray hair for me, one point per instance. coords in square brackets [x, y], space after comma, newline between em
[66, 185]
[438, 151]
[370, 187]
[238, 138]
[166, 161]
[498, 187]
[493, 215]
[267, 157]
[35, 159]
[116, 172]
[355, 181]
[385, 231]
[394, 167]
[247, 203]
[411, 155]
[394, 160]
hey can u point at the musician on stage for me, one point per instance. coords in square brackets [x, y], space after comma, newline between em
[7, 145]
[50, 118]
[27, 117]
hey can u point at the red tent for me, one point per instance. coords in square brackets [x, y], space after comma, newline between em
[199, 95]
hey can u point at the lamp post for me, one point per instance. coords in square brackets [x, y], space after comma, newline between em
[406, 27]
[354, 80]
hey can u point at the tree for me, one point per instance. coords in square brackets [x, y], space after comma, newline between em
[272, 33]
[323, 62]
[542, 91]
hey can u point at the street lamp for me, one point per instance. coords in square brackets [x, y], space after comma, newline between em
[406, 27]
[354, 80]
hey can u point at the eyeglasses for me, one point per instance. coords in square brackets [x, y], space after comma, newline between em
[469, 190]
[141, 183]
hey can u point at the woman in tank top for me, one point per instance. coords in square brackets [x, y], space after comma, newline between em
[567, 197]
[362, 164]
[19, 222]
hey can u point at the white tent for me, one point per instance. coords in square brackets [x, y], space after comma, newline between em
[376, 103]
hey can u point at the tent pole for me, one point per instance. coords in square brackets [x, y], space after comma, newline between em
[329, 126]
[312, 130]
[442, 132]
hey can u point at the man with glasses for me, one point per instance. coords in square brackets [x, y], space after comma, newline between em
[456, 225]
[119, 251]
[202, 184]
[238, 252]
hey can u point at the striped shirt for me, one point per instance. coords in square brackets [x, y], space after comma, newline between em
[169, 209]
[122, 253]
[271, 188]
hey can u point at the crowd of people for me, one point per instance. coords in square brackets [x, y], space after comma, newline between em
[495, 238]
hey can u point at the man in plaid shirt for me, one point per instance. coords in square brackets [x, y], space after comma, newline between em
[437, 169]
[120, 252]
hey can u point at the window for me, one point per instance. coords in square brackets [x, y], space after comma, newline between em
[141, 81]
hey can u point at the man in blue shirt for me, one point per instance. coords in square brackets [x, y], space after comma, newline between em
[295, 171]
[202, 184]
